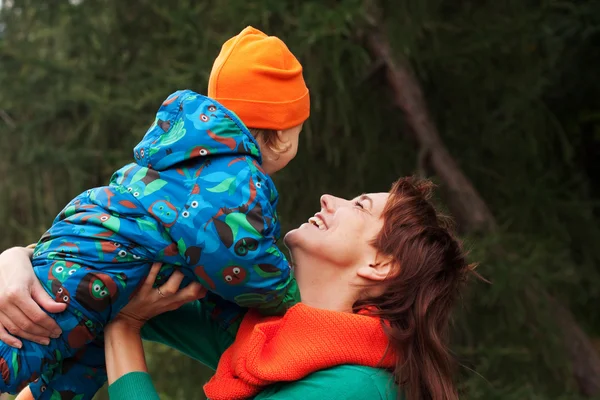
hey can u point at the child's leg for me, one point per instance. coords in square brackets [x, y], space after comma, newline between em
[25, 394]
[21, 366]
[81, 377]
[102, 293]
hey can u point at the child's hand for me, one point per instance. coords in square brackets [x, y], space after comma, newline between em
[150, 302]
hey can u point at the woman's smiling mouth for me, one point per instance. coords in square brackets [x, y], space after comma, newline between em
[318, 221]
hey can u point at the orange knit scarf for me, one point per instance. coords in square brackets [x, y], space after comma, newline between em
[288, 348]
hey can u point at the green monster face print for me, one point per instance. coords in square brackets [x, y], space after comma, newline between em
[96, 291]
[237, 231]
[164, 211]
[99, 290]
[62, 269]
[245, 245]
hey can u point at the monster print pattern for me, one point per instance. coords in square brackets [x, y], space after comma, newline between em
[195, 199]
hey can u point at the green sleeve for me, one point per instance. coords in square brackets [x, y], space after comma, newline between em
[192, 330]
[347, 382]
[134, 385]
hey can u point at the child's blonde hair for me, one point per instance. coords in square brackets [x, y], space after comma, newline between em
[269, 138]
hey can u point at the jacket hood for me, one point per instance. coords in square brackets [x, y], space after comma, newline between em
[188, 126]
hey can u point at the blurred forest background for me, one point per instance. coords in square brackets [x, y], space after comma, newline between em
[497, 101]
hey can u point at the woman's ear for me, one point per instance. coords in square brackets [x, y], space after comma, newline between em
[377, 271]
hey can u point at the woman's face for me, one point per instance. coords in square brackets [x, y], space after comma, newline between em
[342, 232]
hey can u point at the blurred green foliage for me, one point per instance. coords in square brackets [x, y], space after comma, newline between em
[512, 86]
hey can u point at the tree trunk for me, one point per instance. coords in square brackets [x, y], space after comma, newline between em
[468, 207]
[471, 212]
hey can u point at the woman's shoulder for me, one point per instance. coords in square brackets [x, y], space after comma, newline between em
[352, 382]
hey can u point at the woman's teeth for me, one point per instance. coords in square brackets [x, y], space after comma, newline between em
[317, 222]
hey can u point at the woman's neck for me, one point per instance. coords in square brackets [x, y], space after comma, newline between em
[324, 286]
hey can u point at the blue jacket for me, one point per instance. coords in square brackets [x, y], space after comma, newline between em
[196, 198]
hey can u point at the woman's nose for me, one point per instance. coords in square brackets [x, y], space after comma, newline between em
[327, 202]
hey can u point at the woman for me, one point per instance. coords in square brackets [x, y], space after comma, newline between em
[380, 257]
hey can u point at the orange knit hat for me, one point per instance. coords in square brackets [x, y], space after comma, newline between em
[258, 78]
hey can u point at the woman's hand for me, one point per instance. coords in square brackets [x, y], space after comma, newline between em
[21, 295]
[122, 338]
[150, 302]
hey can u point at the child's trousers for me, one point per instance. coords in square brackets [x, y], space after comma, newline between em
[73, 366]
[70, 367]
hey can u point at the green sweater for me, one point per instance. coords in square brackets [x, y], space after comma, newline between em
[191, 330]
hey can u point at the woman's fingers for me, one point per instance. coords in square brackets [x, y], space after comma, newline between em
[193, 291]
[23, 312]
[23, 324]
[171, 286]
[31, 308]
[9, 339]
[9, 330]
[19, 289]
[40, 298]
[168, 296]
[149, 282]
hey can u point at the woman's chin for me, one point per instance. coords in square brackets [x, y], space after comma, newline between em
[307, 237]
[288, 239]
[295, 235]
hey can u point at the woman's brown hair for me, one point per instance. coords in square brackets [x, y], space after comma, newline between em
[417, 297]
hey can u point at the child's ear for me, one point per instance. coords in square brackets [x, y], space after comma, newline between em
[281, 137]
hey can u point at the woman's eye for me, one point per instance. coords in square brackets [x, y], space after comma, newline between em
[357, 204]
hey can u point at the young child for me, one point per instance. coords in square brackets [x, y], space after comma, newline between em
[198, 198]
